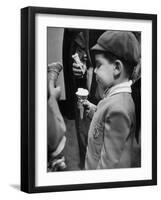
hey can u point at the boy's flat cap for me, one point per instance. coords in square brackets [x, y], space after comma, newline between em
[122, 44]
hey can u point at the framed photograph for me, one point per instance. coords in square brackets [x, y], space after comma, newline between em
[88, 99]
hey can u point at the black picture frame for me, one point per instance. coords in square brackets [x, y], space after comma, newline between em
[28, 91]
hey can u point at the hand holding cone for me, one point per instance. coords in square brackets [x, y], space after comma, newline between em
[82, 95]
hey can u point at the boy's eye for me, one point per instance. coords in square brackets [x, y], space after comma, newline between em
[98, 65]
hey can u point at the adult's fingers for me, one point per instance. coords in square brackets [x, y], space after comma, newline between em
[77, 70]
[77, 66]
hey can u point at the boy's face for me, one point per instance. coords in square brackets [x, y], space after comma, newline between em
[104, 72]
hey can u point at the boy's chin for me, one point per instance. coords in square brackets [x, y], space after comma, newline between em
[102, 86]
[99, 84]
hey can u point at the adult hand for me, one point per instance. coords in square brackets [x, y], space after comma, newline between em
[53, 72]
[54, 91]
[79, 70]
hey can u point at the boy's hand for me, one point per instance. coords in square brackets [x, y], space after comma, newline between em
[90, 108]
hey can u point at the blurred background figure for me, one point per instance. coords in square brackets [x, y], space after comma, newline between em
[55, 124]
[79, 41]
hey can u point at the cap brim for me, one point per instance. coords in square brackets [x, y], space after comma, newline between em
[97, 47]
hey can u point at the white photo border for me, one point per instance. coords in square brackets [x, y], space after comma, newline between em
[42, 178]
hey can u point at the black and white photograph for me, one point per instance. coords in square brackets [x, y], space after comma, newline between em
[89, 91]
[80, 100]
[94, 99]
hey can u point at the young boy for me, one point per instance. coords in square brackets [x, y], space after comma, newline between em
[112, 129]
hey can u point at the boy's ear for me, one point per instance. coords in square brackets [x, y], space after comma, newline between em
[118, 68]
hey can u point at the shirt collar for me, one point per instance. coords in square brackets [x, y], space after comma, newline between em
[119, 88]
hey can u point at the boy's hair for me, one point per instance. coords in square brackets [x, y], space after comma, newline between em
[129, 68]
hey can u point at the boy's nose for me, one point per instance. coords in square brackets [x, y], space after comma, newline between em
[95, 70]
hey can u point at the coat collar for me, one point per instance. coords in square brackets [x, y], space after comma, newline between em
[119, 88]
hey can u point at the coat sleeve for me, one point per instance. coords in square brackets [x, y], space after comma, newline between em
[116, 131]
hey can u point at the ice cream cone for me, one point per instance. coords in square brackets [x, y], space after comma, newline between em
[54, 70]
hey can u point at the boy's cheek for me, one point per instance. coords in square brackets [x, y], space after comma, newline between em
[97, 79]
